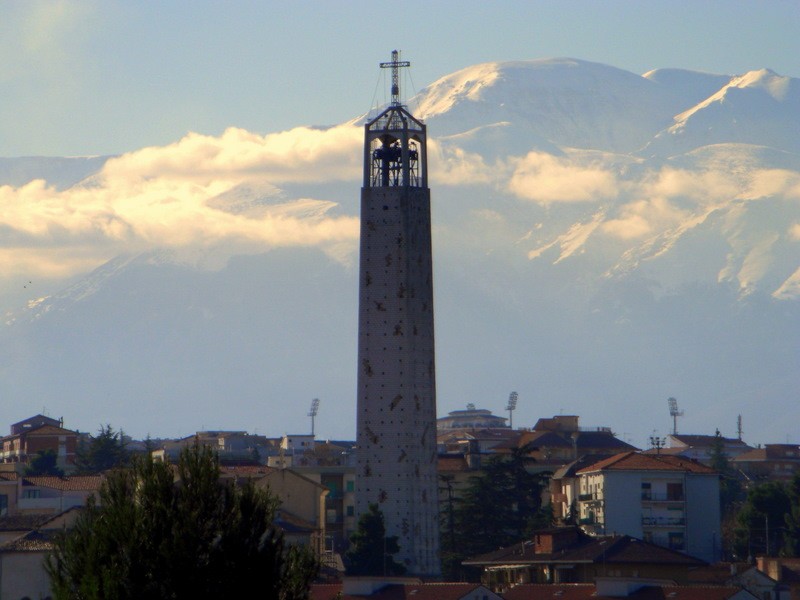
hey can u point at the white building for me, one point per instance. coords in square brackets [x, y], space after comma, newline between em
[667, 500]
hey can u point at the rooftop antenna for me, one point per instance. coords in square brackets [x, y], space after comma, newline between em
[512, 406]
[395, 65]
[313, 412]
[657, 442]
[739, 427]
[674, 413]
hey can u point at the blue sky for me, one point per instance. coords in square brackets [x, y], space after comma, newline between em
[83, 77]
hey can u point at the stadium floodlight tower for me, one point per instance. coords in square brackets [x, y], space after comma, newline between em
[396, 433]
[674, 413]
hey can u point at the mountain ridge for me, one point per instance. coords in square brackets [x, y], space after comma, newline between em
[585, 256]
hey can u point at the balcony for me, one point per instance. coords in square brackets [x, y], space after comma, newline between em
[650, 497]
[591, 499]
[663, 522]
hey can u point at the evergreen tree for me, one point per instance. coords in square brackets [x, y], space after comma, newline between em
[731, 494]
[371, 550]
[500, 506]
[164, 533]
[791, 537]
[761, 520]
[44, 463]
[730, 486]
[104, 451]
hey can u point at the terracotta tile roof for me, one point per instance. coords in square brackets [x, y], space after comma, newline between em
[22, 522]
[452, 463]
[694, 592]
[570, 469]
[721, 573]
[601, 440]
[34, 541]
[422, 591]
[751, 455]
[637, 461]
[546, 438]
[244, 470]
[620, 549]
[706, 440]
[81, 483]
[291, 523]
[583, 591]
[543, 591]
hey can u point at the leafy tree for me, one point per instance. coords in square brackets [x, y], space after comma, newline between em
[44, 463]
[762, 518]
[371, 550]
[160, 532]
[104, 451]
[730, 486]
[499, 507]
[791, 537]
[731, 494]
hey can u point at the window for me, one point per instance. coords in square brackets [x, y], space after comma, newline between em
[351, 486]
[647, 489]
[351, 511]
[31, 493]
[674, 491]
[3, 505]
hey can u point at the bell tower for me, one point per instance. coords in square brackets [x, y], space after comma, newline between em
[396, 434]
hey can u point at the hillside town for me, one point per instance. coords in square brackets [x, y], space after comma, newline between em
[690, 513]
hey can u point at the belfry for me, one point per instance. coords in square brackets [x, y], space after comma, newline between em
[396, 434]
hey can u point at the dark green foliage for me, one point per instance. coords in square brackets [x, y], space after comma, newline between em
[760, 522]
[791, 537]
[500, 506]
[731, 496]
[152, 537]
[730, 485]
[371, 550]
[44, 463]
[104, 451]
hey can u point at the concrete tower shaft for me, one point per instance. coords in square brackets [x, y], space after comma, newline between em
[396, 458]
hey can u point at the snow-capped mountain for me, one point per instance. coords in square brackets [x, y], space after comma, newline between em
[603, 241]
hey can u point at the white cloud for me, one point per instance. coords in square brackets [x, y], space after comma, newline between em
[451, 165]
[546, 179]
[773, 182]
[302, 154]
[644, 217]
[163, 197]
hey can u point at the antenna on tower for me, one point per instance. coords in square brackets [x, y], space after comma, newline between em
[512, 406]
[739, 427]
[674, 413]
[313, 412]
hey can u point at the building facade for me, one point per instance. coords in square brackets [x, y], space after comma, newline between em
[396, 406]
[666, 500]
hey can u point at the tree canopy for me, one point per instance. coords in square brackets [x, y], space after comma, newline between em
[500, 506]
[45, 462]
[769, 521]
[163, 533]
[101, 452]
[371, 550]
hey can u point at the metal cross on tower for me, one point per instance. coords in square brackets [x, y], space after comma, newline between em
[395, 67]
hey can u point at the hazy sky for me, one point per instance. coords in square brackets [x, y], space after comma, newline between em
[84, 77]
